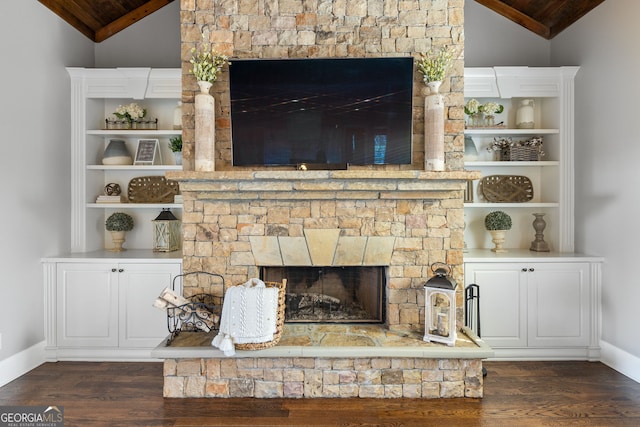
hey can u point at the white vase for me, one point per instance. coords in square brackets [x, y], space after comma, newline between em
[118, 238]
[205, 129]
[525, 115]
[177, 116]
[177, 156]
[498, 237]
[204, 86]
[434, 128]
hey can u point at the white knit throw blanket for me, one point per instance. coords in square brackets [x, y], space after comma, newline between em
[249, 315]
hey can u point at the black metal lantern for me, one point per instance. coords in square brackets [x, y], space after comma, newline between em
[440, 306]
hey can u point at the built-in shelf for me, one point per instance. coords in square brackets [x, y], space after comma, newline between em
[135, 167]
[134, 132]
[513, 205]
[135, 205]
[507, 131]
[496, 163]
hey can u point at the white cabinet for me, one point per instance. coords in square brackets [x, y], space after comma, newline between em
[87, 305]
[538, 307]
[101, 308]
[551, 89]
[95, 95]
[503, 303]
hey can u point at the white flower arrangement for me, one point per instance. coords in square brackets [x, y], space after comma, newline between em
[206, 64]
[500, 144]
[130, 112]
[435, 65]
[491, 108]
[472, 107]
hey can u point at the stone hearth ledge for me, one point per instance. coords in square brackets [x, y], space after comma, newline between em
[387, 344]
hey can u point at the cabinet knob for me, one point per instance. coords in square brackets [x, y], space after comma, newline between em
[120, 270]
[524, 269]
[532, 269]
[113, 270]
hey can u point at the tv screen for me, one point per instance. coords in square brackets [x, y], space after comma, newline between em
[321, 111]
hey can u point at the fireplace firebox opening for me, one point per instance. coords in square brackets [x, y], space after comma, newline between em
[332, 294]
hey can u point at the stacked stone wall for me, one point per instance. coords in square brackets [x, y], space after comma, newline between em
[288, 377]
[325, 29]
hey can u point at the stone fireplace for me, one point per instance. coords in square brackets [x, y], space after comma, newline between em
[237, 221]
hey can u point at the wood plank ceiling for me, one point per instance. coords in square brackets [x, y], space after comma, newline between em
[547, 18]
[100, 19]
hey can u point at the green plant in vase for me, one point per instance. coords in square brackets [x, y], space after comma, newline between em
[118, 224]
[175, 144]
[498, 223]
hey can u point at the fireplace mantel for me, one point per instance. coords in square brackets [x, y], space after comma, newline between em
[340, 185]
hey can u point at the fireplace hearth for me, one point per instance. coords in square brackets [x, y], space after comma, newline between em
[332, 294]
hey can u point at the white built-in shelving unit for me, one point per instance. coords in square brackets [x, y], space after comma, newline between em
[533, 305]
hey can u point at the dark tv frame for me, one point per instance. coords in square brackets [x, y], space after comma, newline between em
[321, 111]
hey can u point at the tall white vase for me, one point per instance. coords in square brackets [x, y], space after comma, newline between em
[434, 128]
[525, 116]
[205, 129]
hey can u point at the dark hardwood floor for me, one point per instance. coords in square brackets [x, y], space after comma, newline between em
[516, 394]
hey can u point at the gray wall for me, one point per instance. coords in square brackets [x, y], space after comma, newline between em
[152, 42]
[604, 44]
[490, 39]
[34, 165]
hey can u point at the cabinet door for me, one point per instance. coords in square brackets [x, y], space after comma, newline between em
[87, 305]
[558, 295]
[503, 313]
[141, 324]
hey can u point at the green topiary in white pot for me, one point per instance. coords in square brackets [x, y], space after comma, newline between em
[497, 223]
[118, 224]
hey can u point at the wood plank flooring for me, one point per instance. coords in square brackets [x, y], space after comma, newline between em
[516, 394]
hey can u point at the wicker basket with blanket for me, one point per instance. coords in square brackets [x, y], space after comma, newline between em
[252, 316]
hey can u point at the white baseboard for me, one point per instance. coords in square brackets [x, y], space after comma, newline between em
[618, 359]
[20, 363]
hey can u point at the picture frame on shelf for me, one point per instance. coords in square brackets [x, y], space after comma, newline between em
[148, 152]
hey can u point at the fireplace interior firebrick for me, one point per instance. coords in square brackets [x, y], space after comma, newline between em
[332, 294]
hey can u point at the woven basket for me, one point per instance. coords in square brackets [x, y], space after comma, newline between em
[506, 188]
[279, 319]
[524, 153]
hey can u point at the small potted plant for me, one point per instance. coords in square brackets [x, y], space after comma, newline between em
[118, 224]
[175, 144]
[497, 223]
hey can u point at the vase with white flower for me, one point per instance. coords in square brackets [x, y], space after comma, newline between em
[434, 67]
[206, 67]
[472, 109]
[206, 64]
[130, 113]
[490, 109]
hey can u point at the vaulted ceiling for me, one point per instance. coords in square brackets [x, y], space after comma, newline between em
[547, 18]
[100, 19]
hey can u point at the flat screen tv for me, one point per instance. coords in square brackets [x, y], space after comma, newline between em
[321, 111]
